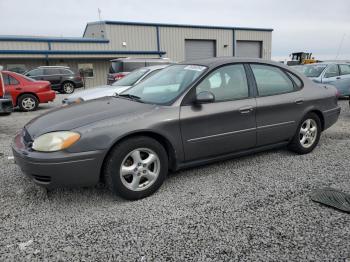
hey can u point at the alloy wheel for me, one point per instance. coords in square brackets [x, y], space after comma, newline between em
[140, 169]
[308, 133]
[68, 88]
[28, 103]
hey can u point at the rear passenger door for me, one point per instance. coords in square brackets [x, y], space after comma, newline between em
[279, 103]
[344, 82]
[53, 75]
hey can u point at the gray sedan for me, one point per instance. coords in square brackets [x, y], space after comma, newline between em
[186, 115]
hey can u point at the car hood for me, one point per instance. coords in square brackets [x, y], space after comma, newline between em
[77, 115]
[97, 92]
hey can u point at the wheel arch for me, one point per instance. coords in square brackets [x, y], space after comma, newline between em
[168, 146]
[320, 116]
[26, 93]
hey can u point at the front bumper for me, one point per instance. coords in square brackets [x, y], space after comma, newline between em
[331, 117]
[6, 105]
[57, 169]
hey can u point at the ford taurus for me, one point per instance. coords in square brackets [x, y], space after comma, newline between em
[188, 114]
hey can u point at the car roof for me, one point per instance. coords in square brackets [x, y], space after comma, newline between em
[218, 61]
[129, 59]
[53, 67]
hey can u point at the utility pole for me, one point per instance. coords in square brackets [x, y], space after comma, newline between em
[99, 18]
[340, 46]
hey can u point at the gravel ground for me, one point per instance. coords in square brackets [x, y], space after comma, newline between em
[252, 208]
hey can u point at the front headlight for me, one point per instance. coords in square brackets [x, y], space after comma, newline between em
[55, 141]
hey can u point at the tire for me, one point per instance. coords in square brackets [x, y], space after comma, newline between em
[28, 102]
[307, 135]
[68, 87]
[145, 164]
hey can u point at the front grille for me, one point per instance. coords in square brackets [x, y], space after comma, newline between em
[42, 179]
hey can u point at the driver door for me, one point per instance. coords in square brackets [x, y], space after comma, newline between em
[225, 125]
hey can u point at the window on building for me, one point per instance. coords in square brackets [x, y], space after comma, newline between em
[226, 83]
[86, 70]
[271, 80]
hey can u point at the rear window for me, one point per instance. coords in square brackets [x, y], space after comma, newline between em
[116, 67]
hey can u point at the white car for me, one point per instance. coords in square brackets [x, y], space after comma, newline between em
[123, 84]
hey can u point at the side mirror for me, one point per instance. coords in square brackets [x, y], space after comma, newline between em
[205, 97]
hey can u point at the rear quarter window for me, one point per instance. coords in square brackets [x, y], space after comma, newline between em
[271, 80]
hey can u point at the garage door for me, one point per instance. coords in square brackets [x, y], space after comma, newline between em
[197, 49]
[248, 49]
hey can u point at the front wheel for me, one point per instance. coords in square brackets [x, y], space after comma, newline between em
[307, 135]
[68, 88]
[136, 167]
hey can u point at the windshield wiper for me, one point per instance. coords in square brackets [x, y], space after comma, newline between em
[132, 97]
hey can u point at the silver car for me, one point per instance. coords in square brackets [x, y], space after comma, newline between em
[336, 74]
[123, 84]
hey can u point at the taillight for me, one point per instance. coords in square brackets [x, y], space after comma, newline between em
[79, 77]
[337, 93]
[119, 76]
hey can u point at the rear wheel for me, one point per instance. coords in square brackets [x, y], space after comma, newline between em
[307, 135]
[28, 102]
[136, 167]
[68, 87]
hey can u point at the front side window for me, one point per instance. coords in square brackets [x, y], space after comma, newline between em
[35, 72]
[226, 83]
[332, 71]
[165, 86]
[344, 69]
[271, 80]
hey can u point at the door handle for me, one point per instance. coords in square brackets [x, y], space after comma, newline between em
[338, 77]
[299, 101]
[246, 110]
[18, 88]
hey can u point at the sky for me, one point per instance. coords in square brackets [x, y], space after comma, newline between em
[321, 27]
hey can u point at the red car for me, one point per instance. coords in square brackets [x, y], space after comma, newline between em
[5, 102]
[27, 93]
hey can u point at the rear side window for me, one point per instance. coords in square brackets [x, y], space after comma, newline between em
[116, 67]
[344, 69]
[296, 80]
[332, 71]
[52, 71]
[271, 80]
[9, 80]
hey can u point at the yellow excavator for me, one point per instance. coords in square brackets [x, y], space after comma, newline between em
[301, 58]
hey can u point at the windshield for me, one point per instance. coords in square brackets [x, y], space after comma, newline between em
[313, 70]
[166, 85]
[131, 79]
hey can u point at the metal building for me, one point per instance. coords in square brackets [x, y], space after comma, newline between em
[106, 40]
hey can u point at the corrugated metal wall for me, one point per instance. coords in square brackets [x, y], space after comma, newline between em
[137, 38]
[264, 36]
[172, 40]
[143, 38]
